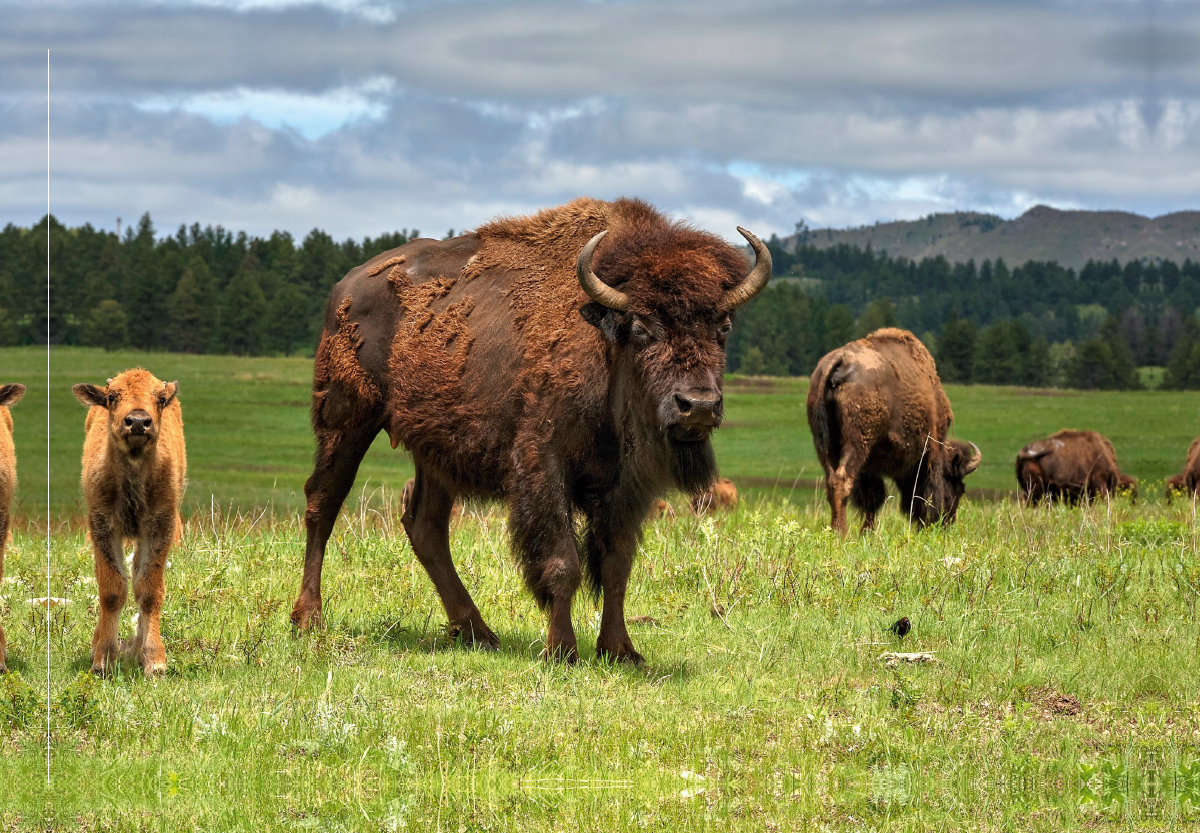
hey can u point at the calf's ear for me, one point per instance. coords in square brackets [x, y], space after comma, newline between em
[10, 394]
[91, 395]
[602, 318]
[167, 396]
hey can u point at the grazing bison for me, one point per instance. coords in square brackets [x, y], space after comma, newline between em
[1070, 466]
[539, 362]
[1187, 482]
[876, 409]
[9, 394]
[722, 495]
[134, 475]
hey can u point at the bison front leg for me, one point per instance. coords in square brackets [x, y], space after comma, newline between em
[149, 588]
[427, 521]
[339, 454]
[112, 588]
[611, 544]
[544, 538]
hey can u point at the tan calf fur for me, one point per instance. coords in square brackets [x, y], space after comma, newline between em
[9, 394]
[134, 475]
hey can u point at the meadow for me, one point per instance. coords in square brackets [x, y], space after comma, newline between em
[1061, 693]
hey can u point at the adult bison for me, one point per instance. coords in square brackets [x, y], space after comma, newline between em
[1070, 466]
[539, 362]
[1187, 482]
[876, 409]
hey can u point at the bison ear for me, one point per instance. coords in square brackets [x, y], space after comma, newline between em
[91, 395]
[10, 394]
[168, 394]
[602, 318]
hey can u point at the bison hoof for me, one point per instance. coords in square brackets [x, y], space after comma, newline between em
[620, 653]
[154, 668]
[476, 634]
[304, 616]
[561, 653]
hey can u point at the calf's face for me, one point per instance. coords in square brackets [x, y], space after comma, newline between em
[135, 401]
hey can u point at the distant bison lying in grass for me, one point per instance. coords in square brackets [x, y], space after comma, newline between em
[877, 409]
[1071, 466]
[134, 475]
[721, 496]
[9, 394]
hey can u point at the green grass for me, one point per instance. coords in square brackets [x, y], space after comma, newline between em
[1063, 695]
[250, 445]
[764, 704]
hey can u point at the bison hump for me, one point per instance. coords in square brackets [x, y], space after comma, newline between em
[1039, 449]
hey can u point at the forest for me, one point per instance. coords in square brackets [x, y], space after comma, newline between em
[207, 289]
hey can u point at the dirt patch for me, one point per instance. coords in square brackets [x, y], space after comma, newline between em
[1054, 703]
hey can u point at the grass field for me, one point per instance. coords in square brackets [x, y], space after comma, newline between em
[250, 446]
[1062, 694]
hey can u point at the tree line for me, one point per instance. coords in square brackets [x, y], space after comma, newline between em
[211, 290]
[200, 290]
[1037, 324]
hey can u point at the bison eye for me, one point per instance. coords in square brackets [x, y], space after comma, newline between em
[112, 399]
[725, 327]
[639, 332]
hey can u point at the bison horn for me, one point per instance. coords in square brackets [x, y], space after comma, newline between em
[975, 461]
[758, 277]
[598, 290]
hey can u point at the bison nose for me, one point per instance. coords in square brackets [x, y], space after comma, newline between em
[138, 422]
[698, 410]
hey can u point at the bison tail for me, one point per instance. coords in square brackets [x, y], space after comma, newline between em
[822, 415]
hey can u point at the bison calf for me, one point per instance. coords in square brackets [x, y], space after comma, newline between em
[877, 409]
[134, 475]
[9, 394]
[1070, 466]
[722, 495]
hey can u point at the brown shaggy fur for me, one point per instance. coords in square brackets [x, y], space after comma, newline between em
[1187, 482]
[9, 395]
[503, 380]
[1070, 466]
[134, 476]
[877, 409]
[722, 496]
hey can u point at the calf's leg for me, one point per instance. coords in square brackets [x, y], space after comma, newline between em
[149, 587]
[112, 588]
[869, 495]
[3, 546]
[426, 519]
[338, 457]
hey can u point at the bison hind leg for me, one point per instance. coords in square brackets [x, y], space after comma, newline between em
[869, 494]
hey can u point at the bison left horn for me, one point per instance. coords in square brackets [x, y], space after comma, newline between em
[758, 277]
[598, 290]
[976, 459]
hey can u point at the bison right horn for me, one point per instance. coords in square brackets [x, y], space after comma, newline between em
[975, 460]
[758, 277]
[598, 290]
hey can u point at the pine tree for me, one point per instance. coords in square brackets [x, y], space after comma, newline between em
[243, 311]
[287, 322]
[106, 326]
[188, 332]
[956, 350]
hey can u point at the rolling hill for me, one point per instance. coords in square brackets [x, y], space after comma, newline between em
[1042, 233]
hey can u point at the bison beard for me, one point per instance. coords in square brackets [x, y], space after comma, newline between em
[538, 362]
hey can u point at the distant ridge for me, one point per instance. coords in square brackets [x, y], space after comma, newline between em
[1071, 238]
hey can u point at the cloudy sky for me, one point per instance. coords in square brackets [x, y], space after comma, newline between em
[360, 116]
